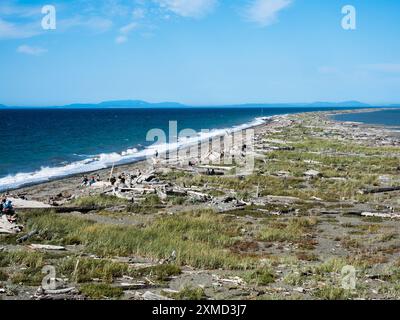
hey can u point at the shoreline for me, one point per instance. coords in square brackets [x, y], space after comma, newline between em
[74, 179]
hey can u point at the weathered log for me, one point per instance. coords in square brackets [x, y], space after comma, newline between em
[152, 296]
[381, 215]
[380, 190]
[27, 236]
[60, 291]
[46, 247]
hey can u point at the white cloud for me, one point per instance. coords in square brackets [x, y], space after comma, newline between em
[138, 13]
[9, 9]
[383, 67]
[124, 32]
[121, 39]
[13, 31]
[33, 51]
[128, 28]
[96, 24]
[188, 8]
[265, 12]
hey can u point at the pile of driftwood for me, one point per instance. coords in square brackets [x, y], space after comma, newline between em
[7, 227]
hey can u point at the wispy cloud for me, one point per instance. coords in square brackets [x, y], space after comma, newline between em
[10, 30]
[383, 67]
[125, 31]
[121, 39]
[265, 12]
[138, 13]
[128, 28]
[189, 9]
[33, 51]
[15, 10]
[96, 24]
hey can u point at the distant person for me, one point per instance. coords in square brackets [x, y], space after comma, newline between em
[113, 180]
[98, 179]
[92, 181]
[7, 207]
[85, 181]
[2, 203]
[122, 178]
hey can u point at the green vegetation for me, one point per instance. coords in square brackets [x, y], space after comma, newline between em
[3, 275]
[199, 239]
[160, 272]
[295, 230]
[101, 291]
[189, 293]
[332, 292]
[260, 277]
[98, 201]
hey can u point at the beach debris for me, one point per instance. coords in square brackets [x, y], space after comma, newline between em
[380, 190]
[7, 227]
[70, 293]
[199, 196]
[27, 236]
[28, 204]
[153, 296]
[46, 247]
[313, 174]
[381, 215]
[236, 281]
[299, 289]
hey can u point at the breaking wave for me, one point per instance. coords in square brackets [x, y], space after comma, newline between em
[106, 160]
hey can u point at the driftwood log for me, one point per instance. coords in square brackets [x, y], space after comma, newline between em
[380, 190]
[27, 236]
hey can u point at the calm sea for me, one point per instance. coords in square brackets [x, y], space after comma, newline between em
[383, 117]
[43, 143]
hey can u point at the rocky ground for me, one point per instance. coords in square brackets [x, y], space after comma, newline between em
[323, 196]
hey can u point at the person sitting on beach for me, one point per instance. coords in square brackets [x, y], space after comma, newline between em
[2, 205]
[113, 180]
[85, 181]
[122, 178]
[7, 207]
[92, 181]
[98, 179]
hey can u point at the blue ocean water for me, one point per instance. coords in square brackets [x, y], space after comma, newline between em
[44, 143]
[383, 117]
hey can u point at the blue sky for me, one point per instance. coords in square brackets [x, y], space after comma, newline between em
[199, 51]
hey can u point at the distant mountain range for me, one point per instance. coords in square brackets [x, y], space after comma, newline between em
[144, 104]
[126, 104]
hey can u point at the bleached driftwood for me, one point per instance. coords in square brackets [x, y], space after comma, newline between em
[198, 195]
[8, 227]
[381, 215]
[46, 247]
[59, 291]
[152, 296]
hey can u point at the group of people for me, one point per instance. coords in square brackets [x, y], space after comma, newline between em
[6, 208]
[122, 179]
[125, 179]
[86, 182]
